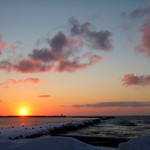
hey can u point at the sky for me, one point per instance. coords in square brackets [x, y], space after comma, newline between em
[80, 57]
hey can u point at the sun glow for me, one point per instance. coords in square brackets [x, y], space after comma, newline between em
[23, 112]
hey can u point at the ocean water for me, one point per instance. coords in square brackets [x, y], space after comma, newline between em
[119, 127]
[9, 122]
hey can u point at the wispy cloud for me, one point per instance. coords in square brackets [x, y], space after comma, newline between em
[2, 45]
[9, 82]
[139, 12]
[115, 104]
[44, 96]
[131, 79]
[15, 44]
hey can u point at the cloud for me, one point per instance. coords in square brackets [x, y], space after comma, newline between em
[97, 40]
[15, 45]
[127, 25]
[1, 101]
[64, 53]
[5, 65]
[75, 42]
[131, 79]
[58, 42]
[138, 12]
[9, 82]
[144, 45]
[71, 66]
[44, 55]
[115, 104]
[2, 45]
[31, 66]
[44, 96]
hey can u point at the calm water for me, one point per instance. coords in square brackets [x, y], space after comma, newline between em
[124, 127]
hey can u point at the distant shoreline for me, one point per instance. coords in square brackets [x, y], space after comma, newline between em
[56, 116]
[59, 116]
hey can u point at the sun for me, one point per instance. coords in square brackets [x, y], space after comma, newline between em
[23, 112]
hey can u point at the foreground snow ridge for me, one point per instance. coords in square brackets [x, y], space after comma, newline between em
[45, 129]
[141, 143]
[48, 143]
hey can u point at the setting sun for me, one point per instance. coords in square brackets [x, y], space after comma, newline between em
[23, 112]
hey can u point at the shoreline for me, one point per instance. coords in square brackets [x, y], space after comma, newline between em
[49, 135]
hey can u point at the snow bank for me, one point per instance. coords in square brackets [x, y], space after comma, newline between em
[47, 143]
[141, 143]
[45, 129]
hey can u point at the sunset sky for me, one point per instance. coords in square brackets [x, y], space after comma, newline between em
[83, 57]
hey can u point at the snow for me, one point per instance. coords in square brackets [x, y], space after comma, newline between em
[141, 143]
[48, 143]
[40, 130]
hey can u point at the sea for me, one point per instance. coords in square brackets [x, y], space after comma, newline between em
[118, 127]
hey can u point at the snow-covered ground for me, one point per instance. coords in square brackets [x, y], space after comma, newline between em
[141, 143]
[67, 143]
[45, 129]
[47, 143]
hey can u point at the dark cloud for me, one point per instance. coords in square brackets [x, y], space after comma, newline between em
[115, 104]
[65, 53]
[140, 12]
[58, 42]
[44, 96]
[131, 79]
[43, 54]
[31, 66]
[98, 40]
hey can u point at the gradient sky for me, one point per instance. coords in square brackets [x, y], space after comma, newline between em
[80, 57]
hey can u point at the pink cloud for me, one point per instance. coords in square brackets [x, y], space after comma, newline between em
[44, 96]
[131, 79]
[75, 42]
[15, 45]
[71, 66]
[8, 82]
[144, 45]
[31, 66]
[2, 45]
